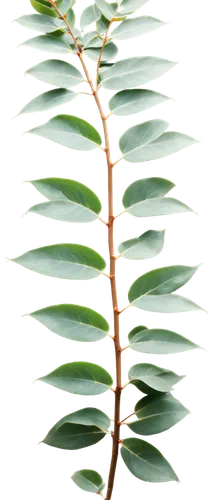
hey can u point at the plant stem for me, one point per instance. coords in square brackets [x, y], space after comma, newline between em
[112, 277]
[113, 288]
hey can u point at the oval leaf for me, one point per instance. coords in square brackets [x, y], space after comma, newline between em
[145, 198]
[109, 10]
[130, 6]
[158, 341]
[89, 16]
[110, 51]
[65, 5]
[66, 261]
[146, 246]
[153, 141]
[151, 379]
[129, 102]
[136, 26]
[43, 7]
[157, 414]
[70, 201]
[48, 43]
[134, 72]
[73, 322]
[49, 100]
[69, 131]
[146, 462]
[151, 291]
[56, 72]
[78, 430]
[85, 379]
[45, 24]
[88, 480]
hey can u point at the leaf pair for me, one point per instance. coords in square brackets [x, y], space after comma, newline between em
[69, 201]
[78, 430]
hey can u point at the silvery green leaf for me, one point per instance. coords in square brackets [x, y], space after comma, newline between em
[109, 10]
[91, 39]
[57, 73]
[49, 100]
[66, 261]
[85, 379]
[148, 245]
[65, 211]
[65, 5]
[128, 102]
[151, 379]
[157, 414]
[151, 291]
[73, 322]
[130, 6]
[153, 140]
[90, 15]
[146, 462]
[69, 131]
[159, 341]
[45, 24]
[48, 43]
[89, 480]
[78, 430]
[134, 71]
[131, 28]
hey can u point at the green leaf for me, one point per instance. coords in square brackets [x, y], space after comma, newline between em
[92, 40]
[48, 43]
[48, 100]
[134, 71]
[90, 15]
[152, 140]
[45, 24]
[56, 72]
[129, 102]
[151, 291]
[130, 6]
[158, 341]
[89, 480]
[73, 322]
[136, 26]
[43, 7]
[148, 245]
[69, 131]
[78, 430]
[85, 379]
[65, 261]
[65, 5]
[146, 462]
[157, 414]
[151, 379]
[70, 201]
[110, 51]
[71, 18]
[145, 198]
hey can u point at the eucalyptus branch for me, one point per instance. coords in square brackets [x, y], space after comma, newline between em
[70, 201]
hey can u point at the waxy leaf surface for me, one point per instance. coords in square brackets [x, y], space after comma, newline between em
[148, 245]
[89, 480]
[128, 102]
[49, 100]
[134, 27]
[45, 24]
[48, 43]
[159, 341]
[110, 51]
[151, 379]
[130, 6]
[89, 16]
[43, 7]
[56, 72]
